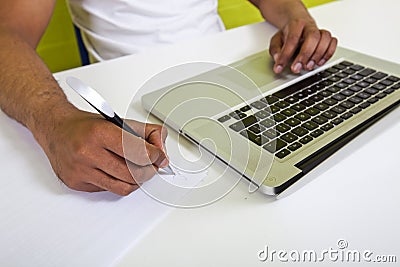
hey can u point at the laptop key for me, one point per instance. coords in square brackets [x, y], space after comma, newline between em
[347, 104]
[262, 114]
[292, 122]
[283, 153]
[380, 95]
[346, 116]
[379, 86]
[396, 86]
[355, 88]
[329, 114]
[379, 75]
[355, 99]
[289, 137]
[300, 131]
[388, 91]
[356, 67]
[321, 106]
[357, 77]
[282, 128]
[288, 112]
[355, 110]
[237, 115]
[312, 111]
[330, 101]
[245, 108]
[271, 133]
[306, 139]
[337, 121]
[327, 127]
[224, 118]
[274, 109]
[366, 72]
[294, 146]
[319, 120]
[275, 145]
[373, 100]
[363, 95]
[338, 109]
[302, 116]
[291, 99]
[279, 117]
[256, 128]
[270, 99]
[371, 91]
[317, 133]
[298, 107]
[282, 104]
[310, 125]
[394, 78]
[258, 105]
[267, 123]
[339, 97]
[346, 63]
[364, 105]
[246, 122]
[386, 82]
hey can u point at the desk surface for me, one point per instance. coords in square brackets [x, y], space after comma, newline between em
[352, 196]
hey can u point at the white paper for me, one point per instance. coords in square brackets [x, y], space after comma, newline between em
[43, 223]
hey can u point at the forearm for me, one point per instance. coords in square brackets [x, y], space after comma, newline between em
[280, 12]
[28, 91]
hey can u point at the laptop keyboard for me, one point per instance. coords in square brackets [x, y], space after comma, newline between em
[289, 119]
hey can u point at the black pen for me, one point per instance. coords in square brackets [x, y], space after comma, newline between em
[98, 103]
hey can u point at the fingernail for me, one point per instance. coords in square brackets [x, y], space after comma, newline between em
[297, 67]
[310, 65]
[321, 62]
[278, 69]
[164, 163]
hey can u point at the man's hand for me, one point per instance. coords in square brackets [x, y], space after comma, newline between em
[312, 45]
[91, 154]
[298, 37]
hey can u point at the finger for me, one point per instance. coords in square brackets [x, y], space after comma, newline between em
[153, 133]
[147, 130]
[142, 174]
[130, 147]
[322, 47]
[308, 47]
[329, 53]
[109, 183]
[291, 42]
[156, 135]
[126, 171]
[115, 166]
[275, 48]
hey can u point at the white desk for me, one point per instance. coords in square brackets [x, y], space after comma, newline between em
[352, 196]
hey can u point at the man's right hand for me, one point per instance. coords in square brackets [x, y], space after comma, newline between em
[88, 154]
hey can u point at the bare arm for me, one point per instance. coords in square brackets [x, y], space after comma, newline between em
[298, 32]
[84, 150]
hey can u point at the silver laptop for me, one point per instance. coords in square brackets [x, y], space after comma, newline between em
[274, 129]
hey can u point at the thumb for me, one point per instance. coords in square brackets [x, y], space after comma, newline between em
[157, 156]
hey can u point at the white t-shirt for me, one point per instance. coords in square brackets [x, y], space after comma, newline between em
[113, 28]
